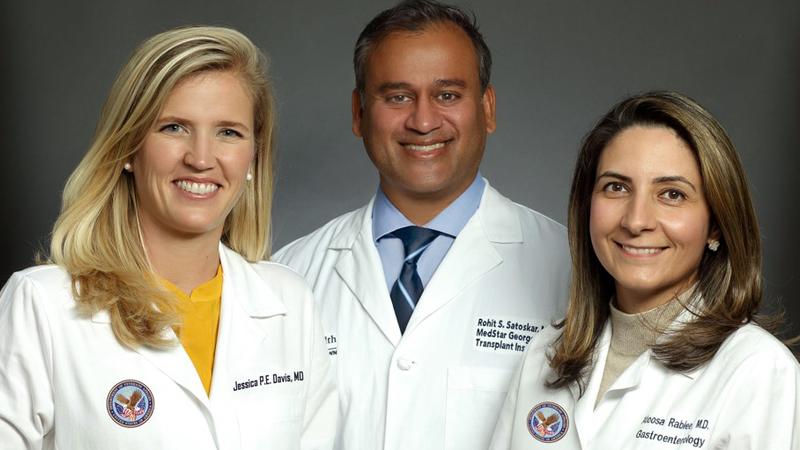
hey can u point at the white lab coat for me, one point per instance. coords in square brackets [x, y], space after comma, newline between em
[436, 387]
[57, 369]
[746, 397]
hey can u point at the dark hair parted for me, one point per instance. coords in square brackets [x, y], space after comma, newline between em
[415, 16]
[728, 292]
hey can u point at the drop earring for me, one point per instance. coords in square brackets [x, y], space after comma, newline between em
[127, 166]
[713, 245]
[249, 176]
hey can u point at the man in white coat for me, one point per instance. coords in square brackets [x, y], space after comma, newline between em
[430, 293]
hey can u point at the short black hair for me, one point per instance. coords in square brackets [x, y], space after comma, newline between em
[416, 15]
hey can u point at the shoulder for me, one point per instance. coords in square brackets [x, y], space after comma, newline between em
[536, 222]
[508, 221]
[343, 227]
[753, 347]
[750, 359]
[281, 278]
[529, 218]
[37, 288]
[44, 278]
[260, 275]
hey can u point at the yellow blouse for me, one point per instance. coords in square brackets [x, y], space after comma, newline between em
[198, 332]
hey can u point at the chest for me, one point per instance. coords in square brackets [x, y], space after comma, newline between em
[665, 410]
[109, 396]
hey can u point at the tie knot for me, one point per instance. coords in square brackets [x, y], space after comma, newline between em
[414, 238]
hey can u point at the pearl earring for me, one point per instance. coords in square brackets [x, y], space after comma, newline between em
[128, 167]
[713, 245]
[249, 176]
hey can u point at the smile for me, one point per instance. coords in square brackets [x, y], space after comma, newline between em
[424, 148]
[641, 250]
[196, 188]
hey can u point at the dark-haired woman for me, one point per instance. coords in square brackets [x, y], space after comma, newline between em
[660, 347]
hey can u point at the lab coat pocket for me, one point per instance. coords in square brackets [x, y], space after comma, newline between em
[474, 398]
[272, 421]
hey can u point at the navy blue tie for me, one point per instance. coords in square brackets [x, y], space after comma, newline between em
[408, 288]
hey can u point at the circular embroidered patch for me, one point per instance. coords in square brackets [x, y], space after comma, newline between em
[130, 403]
[548, 422]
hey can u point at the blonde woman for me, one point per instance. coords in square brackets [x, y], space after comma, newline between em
[156, 326]
[660, 347]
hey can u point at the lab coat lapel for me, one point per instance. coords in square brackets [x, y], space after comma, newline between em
[360, 268]
[472, 254]
[585, 424]
[175, 363]
[631, 377]
[246, 301]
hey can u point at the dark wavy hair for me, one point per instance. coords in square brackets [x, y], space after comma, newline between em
[729, 279]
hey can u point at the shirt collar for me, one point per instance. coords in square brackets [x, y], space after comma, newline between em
[386, 218]
[209, 291]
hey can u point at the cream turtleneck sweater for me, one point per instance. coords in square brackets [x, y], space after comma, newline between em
[632, 335]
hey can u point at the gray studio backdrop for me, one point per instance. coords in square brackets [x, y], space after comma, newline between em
[558, 65]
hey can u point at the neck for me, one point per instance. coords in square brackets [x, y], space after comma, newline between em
[185, 261]
[633, 302]
[421, 208]
[419, 213]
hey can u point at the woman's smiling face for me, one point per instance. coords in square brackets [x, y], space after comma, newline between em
[649, 220]
[192, 166]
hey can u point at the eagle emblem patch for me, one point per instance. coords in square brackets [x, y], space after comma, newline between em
[130, 403]
[548, 422]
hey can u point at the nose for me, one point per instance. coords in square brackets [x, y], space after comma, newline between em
[639, 215]
[200, 154]
[425, 117]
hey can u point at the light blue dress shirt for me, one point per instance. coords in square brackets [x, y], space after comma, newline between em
[386, 218]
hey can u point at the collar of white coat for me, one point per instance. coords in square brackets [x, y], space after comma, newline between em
[632, 375]
[240, 283]
[497, 215]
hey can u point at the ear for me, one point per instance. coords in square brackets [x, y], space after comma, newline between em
[488, 109]
[357, 112]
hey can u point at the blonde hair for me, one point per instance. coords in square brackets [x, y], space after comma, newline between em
[97, 239]
[729, 279]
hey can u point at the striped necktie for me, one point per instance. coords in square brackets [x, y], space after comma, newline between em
[408, 288]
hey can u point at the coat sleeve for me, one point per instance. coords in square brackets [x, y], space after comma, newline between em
[26, 400]
[762, 409]
[321, 417]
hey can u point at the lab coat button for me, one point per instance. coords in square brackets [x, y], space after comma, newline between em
[404, 364]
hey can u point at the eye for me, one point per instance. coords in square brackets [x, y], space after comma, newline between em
[448, 97]
[230, 133]
[673, 195]
[172, 128]
[615, 186]
[398, 98]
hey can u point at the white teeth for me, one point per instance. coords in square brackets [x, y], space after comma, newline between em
[424, 148]
[641, 251]
[197, 188]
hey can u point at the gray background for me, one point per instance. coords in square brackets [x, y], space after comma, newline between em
[558, 66]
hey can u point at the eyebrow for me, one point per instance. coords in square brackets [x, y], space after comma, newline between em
[438, 83]
[674, 178]
[657, 180]
[610, 174]
[223, 123]
[450, 82]
[233, 123]
[393, 85]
